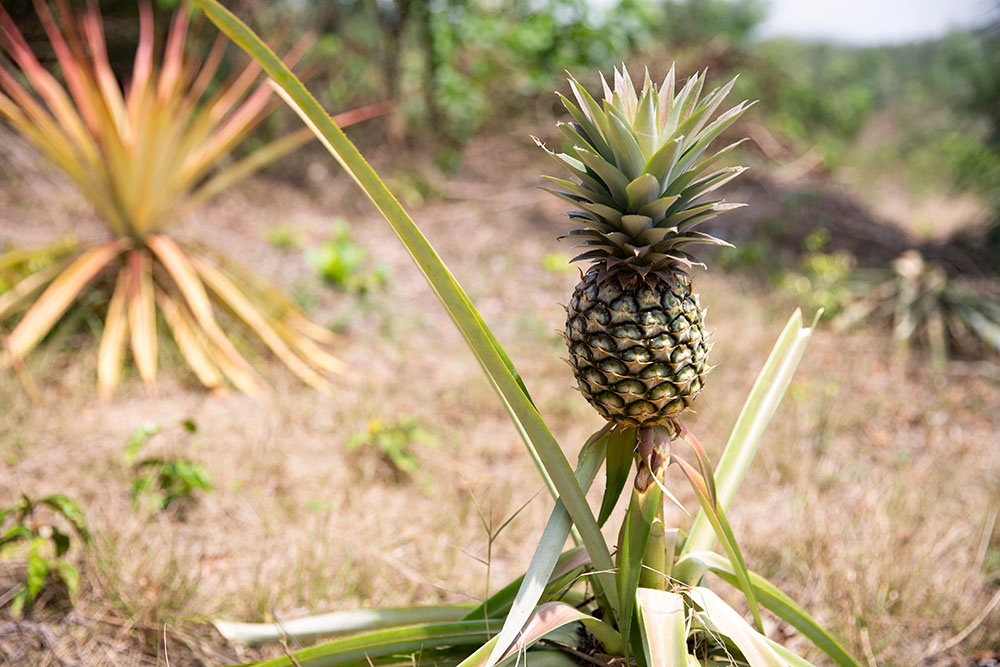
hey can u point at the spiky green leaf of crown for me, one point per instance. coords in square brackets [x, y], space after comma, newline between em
[642, 171]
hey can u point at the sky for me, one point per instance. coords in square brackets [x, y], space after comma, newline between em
[874, 22]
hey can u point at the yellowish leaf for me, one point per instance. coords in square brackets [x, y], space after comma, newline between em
[142, 316]
[188, 342]
[237, 369]
[257, 321]
[60, 294]
[111, 351]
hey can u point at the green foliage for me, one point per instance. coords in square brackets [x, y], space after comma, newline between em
[45, 542]
[481, 49]
[822, 280]
[342, 263]
[698, 22]
[753, 254]
[934, 102]
[394, 441]
[413, 187]
[454, 65]
[159, 482]
[283, 236]
[139, 440]
[796, 79]
[557, 262]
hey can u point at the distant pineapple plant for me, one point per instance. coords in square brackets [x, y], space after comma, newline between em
[144, 154]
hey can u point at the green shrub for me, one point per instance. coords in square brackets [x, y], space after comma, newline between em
[160, 482]
[44, 543]
[342, 263]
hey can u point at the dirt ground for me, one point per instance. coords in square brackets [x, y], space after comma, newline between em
[873, 500]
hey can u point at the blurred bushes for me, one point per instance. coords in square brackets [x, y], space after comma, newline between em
[453, 65]
[692, 23]
[456, 66]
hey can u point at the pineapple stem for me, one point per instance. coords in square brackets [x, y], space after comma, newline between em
[654, 456]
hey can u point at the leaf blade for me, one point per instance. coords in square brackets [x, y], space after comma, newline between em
[765, 396]
[54, 301]
[775, 600]
[112, 347]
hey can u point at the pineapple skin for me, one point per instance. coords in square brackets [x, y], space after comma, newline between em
[637, 344]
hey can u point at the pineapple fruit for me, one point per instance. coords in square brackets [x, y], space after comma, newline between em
[634, 327]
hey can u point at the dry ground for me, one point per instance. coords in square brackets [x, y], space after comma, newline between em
[873, 499]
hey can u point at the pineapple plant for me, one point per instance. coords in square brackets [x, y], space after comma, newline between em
[649, 606]
[634, 327]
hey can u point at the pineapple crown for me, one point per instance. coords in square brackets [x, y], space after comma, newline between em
[642, 172]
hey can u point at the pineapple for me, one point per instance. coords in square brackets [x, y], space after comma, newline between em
[634, 327]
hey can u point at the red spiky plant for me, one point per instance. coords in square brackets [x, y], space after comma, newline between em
[144, 155]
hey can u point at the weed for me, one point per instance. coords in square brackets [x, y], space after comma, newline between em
[752, 255]
[414, 188]
[822, 280]
[46, 543]
[160, 482]
[284, 236]
[393, 441]
[342, 263]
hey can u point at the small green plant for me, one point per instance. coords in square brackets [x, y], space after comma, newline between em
[342, 263]
[751, 255]
[160, 482]
[393, 441]
[16, 264]
[284, 236]
[414, 188]
[45, 543]
[822, 280]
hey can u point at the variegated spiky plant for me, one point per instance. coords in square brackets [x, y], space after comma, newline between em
[143, 156]
[635, 329]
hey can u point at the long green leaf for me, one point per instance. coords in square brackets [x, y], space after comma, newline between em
[638, 520]
[621, 448]
[761, 404]
[495, 364]
[790, 658]
[380, 643]
[720, 617]
[338, 622]
[550, 546]
[568, 567]
[71, 512]
[690, 567]
[717, 519]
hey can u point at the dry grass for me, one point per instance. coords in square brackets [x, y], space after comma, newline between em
[869, 501]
